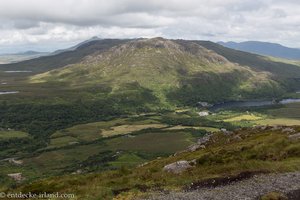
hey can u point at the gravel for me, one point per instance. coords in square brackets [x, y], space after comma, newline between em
[247, 189]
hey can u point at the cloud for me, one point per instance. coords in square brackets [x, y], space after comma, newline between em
[65, 22]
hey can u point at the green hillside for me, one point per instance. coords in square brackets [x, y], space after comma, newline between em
[288, 73]
[225, 158]
[178, 72]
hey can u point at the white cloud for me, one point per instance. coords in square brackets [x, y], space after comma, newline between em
[51, 24]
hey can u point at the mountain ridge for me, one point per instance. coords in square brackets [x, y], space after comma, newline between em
[171, 69]
[265, 48]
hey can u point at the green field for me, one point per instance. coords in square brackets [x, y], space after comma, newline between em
[11, 134]
[81, 147]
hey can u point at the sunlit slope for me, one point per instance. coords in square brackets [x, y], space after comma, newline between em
[169, 69]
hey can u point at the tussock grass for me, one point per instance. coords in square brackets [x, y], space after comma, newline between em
[255, 150]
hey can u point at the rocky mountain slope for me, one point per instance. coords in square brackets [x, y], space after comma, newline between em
[172, 70]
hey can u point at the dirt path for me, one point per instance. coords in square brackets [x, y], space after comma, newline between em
[248, 189]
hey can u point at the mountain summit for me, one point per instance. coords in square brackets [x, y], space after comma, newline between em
[174, 70]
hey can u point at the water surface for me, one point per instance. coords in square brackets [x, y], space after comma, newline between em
[244, 104]
[9, 92]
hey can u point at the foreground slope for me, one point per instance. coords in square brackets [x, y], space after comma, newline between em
[219, 159]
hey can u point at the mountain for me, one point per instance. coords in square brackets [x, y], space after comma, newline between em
[18, 57]
[265, 48]
[28, 55]
[63, 58]
[76, 46]
[179, 71]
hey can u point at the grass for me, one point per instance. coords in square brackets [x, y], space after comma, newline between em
[126, 129]
[93, 131]
[180, 127]
[129, 160]
[286, 111]
[265, 151]
[154, 142]
[4, 135]
[244, 117]
[279, 121]
[288, 115]
[62, 141]
[108, 153]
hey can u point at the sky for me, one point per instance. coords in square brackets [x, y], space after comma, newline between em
[47, 25]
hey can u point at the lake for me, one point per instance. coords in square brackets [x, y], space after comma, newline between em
[242, 104]
[17, 71]
[9, 92]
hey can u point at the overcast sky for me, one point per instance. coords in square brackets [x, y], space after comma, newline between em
[46, 25]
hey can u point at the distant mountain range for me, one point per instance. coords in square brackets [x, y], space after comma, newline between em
[27, 55]
[265, 48]
[21, 56]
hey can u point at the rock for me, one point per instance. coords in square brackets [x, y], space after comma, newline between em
[16, 176]
[143, 164]
[223, 130]
[177, 167]
[203, 114]
[276, 128]
[14, 161]
[193, 147]
[193, 162]
[294, 137]
[288, 130]
[262, 127]
[203, 104]
[78, 171]
[237, 137]
[253, 188]
[203, 140]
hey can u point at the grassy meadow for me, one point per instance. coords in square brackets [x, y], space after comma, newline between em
[246, 150]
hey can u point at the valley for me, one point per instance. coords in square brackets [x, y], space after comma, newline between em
[115, 112]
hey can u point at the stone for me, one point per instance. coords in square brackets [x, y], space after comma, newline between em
[203, 114]
[288, 130]
[203, 104]
[294, 137]
[177, 167]
[237, 137]
[276, 128]
[203, 140]
[16, 176]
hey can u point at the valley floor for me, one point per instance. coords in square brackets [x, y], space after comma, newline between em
[284, 184]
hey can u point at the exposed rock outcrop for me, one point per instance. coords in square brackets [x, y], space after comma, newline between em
[178, 167]
[16, 176]
[294, 136]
